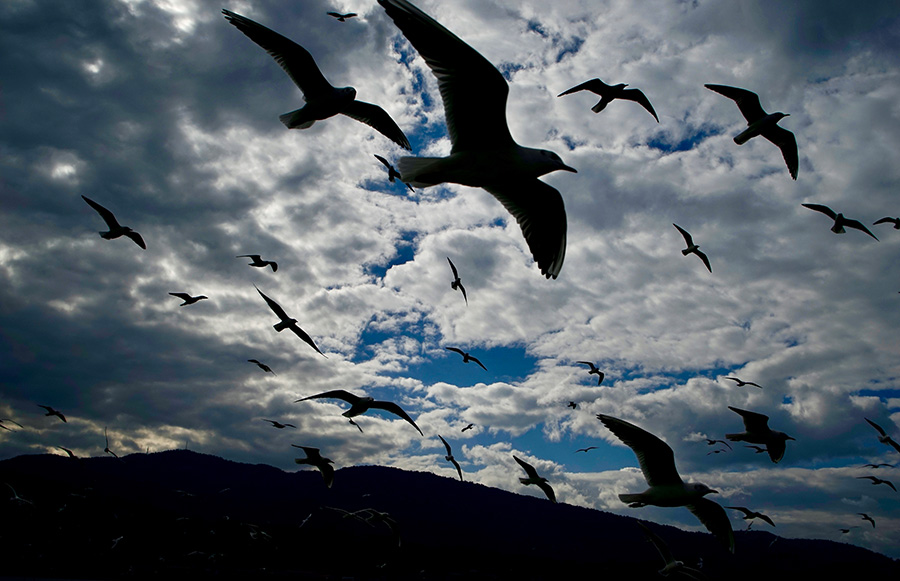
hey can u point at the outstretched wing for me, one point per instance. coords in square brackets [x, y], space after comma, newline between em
[787, 143]
[107, 216]
[529, 469]
[306, 338]
[638, 96]
[747, 101]
[333, 394]
[704, 258]
[685, 234]
[390, 406]
[475, 359]
[453, 268]
[276, 308]
[857, 225]
[655, 456]
[754, 422]
[446, 445]
[820, 208]
[379, 120]
[595, 86]
[714, 518]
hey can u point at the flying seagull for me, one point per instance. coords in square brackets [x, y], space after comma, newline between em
[466, 357]
[533, 478]
[879, 465]
[749, 515]
[456, 283]
[52, 412]
[692, 248]
[883, 437]
[116, 230]
[867, 517]
[839, 220]
[107, 449]
[322, 100]
[262, 366]
[68, 452]
[314, 458]
[761, 123]
[610, 92]
[392, 171]
[758, 449]
[743, 383]
[588, 449]
[875, 480]
[711, 442]
[572, 405]
[342, 17]
[288, 323]
[594, 371]
[889, 220]
[188, 299]
[671, 566]
[9, 420]
[279, 425]
[360, 405]
[757, 431]
[666, 487]
[15, 497]
[449, 457]
[469, 427]
[358, 427]
[847, 530]
[483, 153]
[258, 262]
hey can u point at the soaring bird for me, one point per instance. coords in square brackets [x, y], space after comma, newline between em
[52, 412]
[889, 220]
[610, 92]
[761, 123]
[68, 452]
[258, 262]
[342, 17]
[757, 431]
[279, 425]
[867, 517]
[711, 442]
[483, 153]
[572, 405]
[671, 566]
[188, 299]
[392, 171]
[839, 220]
[879, 465]
[107, 450]
[588, 449]
[749, 515]
[692, 248]
[449, 457]
[533, 478]
[262, 366]
[116, 230]
[666, 487]
[875, 480]
[322, 100]
[15, 497]
[594, 371]
[9, 420]
[288, 323]
[757, 449]
[456, 283]
[469, 427]
[360, 405]
[314, 458]
[883, 437]
[466, 357]
[743, 383]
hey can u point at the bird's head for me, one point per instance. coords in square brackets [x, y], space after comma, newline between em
[701, 489]
[779, 116]
[348, 92]
[543, 161]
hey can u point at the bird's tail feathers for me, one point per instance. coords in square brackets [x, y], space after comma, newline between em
[600, 106]
[743, 137]
[282, 326]
[419, 172]
[686, 251]
[296, 119]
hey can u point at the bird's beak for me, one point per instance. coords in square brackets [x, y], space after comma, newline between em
[790, 438]
[567, 168]
[714, 492]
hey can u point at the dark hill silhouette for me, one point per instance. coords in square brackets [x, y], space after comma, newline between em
[181, 514]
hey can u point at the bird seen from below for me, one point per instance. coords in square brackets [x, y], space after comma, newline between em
[188, 299]
[608, 93]
[360, 405]
[116, 230]
[449, 457]
[314, 458]
[757, 431]
[52, 412]
[692, 248]
[466, 357]
[594, 370]
[258, 262]
[456, 283]
[534, 478]
[839, 220]
[289, 323]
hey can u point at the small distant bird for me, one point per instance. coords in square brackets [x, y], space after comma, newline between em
[288, 323]
[68, 452]
[761, 123]
[279, 425]
[322, 99]
[757, 431]
[839, 220]
[314, 458]
[867, 517]
[466, 357]
[608, 93]
[456, 284]
[758, 449]
[875, 480]
[594, 371]
[879, 465]
[11, 421]
[107, 449]
[671, 566]
[262, 366]
[258, 262]
[449, 457]
[572, 405]
[883, 437]
[116, 230]
[716, 452]
[533, 478]
[743, 383]
[847, 530]
[889, 220]
[188, 299]
[588, 449]
[392, 171]
[692, 248]
[469, 427]
[16, 497]
[711, 442]
[749, 515]
[358, 427]
[52, 412]
[342, 17]
[360, 405]
[657, 463]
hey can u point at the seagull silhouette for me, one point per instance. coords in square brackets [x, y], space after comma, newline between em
[875, 480]
[749, 515]
[68, 452]
[483, 153]
[572, 405]
[16, 497]
[258, 262]
[594, 371]
[449, 457]
[879, 465]
[711, 442]
[743, 383]
[322, 100]
[666, 487]
[757, 431]
[107, 450]
[761, 123]
[288, 323]
[279, 425]
[456, 284]
[588, 449]
[839, 220]
[692, 248]
[342, 17]
[469, 427]
[883, 437]
[867, 517]
[392, 171]
[9, 420]
[188, 299]
[314, 458]
[360, 405]
[116, 230]
[889, 220]
[671, 566]
[262, 366]
[466, 357]
[758, 449]
[608, 93]
[52, 412]
[533, 478]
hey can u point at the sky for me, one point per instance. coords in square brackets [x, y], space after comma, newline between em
[167, 115]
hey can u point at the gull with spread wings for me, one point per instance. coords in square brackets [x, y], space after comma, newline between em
[883, 437]
[315, 458]
[757, 431]
[594, 370]
[449, 457]
[188, 299]
[691, 247]
[258, 262]
[456, 283]
[466, 357]
[360, 405]
[116, 230]
[533, 478]
[288, 323]
[608, 93]
[839, 220]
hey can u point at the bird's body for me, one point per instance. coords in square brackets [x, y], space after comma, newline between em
[749, 515]
[666, 488]
[839, 220]
[393, 174]
[761, 123]
[483, 153]
[875, 480]
[258, 262]
[883, 437]
[449, 457]
[743, 383]
[608, 93]
[262, 366]
[342, 17]
[322, 99]
[534, 478]
[456, 283]
[360, 405]
[52, 412]
[188, 299]
[867, 517]
[279, 425]
[757, 431]
[692, 248]
[594, 371]
[289, 323]
[116, 230]
[466, 357]
[314, 458]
